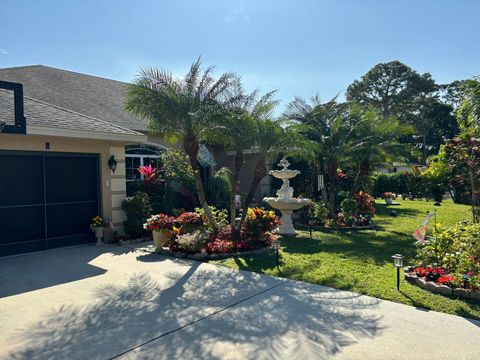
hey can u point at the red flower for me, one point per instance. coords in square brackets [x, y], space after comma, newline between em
[446, 279]
[190, 218]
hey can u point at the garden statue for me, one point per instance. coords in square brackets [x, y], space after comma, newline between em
[285, 202]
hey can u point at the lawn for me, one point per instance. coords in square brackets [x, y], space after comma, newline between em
[361, 261]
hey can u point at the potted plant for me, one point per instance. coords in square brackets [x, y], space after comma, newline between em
[97, 226]
[189, 222]
[161, 226]
[388, 196]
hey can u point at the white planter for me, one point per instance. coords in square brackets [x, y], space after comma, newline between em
[98, 230]
[389, 201]
[160, 238]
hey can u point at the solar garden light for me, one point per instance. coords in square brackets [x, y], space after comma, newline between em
[276, 246]
[398, 262]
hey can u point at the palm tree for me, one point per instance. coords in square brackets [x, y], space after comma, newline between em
[337, 135]
[270, 140]
[184, 109]
[374, 142]
[323, 129]
[468, 113]
[239, 131]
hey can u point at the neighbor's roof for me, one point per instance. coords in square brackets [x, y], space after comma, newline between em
[41, 114]
[93, 96]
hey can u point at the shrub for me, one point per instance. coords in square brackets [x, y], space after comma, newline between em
[349, 207]
[365, 204]
[220, 215]
[191, 242]
[456, 249]
[318, 212]
[258, 223]
[137, 208]
[219, 189]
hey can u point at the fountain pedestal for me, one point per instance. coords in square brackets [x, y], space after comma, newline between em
[285, 202]
[287, 225]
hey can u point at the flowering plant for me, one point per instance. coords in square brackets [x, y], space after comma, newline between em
[190, 218]
[97, 221]
[220, 247]
[149, 173]
[388, 195]
[159, 222]
[365, 203]
[258, 223]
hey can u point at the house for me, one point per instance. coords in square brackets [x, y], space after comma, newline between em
[59, 133]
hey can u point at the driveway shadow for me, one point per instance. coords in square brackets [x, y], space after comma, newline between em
[319, 320]
[29, 272]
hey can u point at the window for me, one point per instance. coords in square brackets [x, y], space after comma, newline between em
[140, 155]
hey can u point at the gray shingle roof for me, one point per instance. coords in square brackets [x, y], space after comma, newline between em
[90, 95]
[39, 113]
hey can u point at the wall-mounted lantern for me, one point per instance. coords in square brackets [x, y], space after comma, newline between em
[112, 163]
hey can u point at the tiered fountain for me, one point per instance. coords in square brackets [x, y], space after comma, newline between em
[285, 202]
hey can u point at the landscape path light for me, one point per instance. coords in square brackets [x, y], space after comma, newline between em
[398, 262]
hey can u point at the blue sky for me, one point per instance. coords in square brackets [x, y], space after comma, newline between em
[299, 47]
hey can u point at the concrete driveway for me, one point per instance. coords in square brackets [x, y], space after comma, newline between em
[118, 302]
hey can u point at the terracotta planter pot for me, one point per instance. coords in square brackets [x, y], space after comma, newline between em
[160, 238]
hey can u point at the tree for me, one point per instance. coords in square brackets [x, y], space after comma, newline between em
[468, 113]
[323, 130]
[184, 109]
[240, 129]
[270, 139]
[374, 142]
[392, 88]
[343, 135]
[398, 91]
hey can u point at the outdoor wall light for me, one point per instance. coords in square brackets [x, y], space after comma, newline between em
[112, 163]
[398, 262]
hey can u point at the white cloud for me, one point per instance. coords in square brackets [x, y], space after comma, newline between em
[239, 14]
[3, 51]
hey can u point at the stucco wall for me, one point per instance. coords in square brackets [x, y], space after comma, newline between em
[246, 174]
[112, 184]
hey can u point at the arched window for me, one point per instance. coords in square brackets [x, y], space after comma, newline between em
[140, 155]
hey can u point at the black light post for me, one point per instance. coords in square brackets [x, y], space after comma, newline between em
[398, 262]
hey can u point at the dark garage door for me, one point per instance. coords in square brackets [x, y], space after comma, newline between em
[46, 200]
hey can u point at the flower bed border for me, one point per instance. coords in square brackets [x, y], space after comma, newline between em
[439, 289]
[346, 228]
[205, 256]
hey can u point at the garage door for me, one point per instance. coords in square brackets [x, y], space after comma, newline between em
[46, 200]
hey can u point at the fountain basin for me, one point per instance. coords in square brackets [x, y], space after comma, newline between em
[284, 174]
[286, 204]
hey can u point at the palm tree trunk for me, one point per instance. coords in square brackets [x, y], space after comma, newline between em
[362, 173]
[332, 189]
[238, 162]
[191, 147]
[259, 173]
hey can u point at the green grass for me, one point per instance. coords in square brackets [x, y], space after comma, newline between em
[360, 261]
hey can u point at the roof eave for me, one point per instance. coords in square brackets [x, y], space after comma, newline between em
[82, 134]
